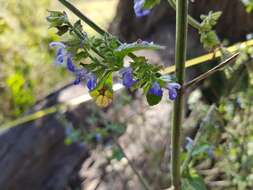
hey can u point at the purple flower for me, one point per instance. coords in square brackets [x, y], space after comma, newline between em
[138, 8]
[60, 53]
[57, 44]
[156, 89]
[81, 74]
[91, 81]
[173, 87]
[127, 76]
[70, 65]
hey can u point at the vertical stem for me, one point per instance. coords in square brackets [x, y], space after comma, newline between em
[181, 38]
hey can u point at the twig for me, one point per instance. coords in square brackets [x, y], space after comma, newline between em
[141, 179]
[211, 71]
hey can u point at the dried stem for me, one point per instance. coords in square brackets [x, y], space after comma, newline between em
[141, 179]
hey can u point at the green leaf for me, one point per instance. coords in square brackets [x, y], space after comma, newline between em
[209, 39]
[153, 99]
[125, 48]
[193, 182]
[149, 4]
[117, 154]
[200, 149]
[115, 128]
[57, 18]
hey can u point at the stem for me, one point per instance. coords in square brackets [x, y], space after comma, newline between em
[88, 21]
[141, 179]
[210, 72]
[205, 121]
[193, 22]
[181, 41]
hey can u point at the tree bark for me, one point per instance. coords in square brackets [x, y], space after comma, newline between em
[34, 156]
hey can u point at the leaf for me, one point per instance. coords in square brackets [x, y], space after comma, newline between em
[57, 18]
[149, 4]
[117, 154]
[115, 128]
[200, 149]
[193, 182]
[125, 48]
[153, 99]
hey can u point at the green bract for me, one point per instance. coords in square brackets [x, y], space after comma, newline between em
[149, 4]
[208, 36]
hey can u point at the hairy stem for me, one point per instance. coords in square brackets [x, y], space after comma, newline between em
[89, 22]
[181, 41]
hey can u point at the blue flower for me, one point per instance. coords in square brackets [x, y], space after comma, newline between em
[70, 65]
[81, 74]
[156, 89]
[60, 53]
[91, 81]
[173, 87]
[127, 76]
[138, 8]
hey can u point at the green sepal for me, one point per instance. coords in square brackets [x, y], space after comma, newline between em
[149, 4]
[57, 18]
[153, 99]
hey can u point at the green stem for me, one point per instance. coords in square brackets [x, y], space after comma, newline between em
[181, 41]
[88, 21]
[193, 22]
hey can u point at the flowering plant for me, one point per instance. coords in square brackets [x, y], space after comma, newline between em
[105, 57]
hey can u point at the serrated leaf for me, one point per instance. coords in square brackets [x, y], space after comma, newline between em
[125, 48]
[57, 18]
[153, 99]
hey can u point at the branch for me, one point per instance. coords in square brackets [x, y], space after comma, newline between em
[141, 179]
[211, 71]
[89, 22]
[193, 22]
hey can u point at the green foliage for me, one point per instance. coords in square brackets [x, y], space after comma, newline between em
[193, 182]
[21, 94]
[248, 5]
[208, 36]
[105, 56]
[26, 63]
[149, 4]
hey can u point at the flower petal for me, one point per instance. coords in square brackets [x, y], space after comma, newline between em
[57, 44]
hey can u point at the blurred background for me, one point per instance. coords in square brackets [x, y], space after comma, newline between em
[79, 147]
